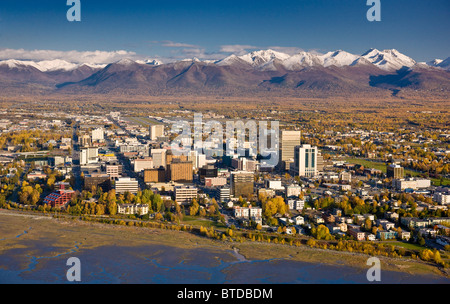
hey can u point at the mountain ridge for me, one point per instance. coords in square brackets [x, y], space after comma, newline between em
[265, 70]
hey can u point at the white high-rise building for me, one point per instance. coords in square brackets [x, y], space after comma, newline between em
[88, 156]
[305, 161]
[97, 134]
[156, 131]
[159, 157]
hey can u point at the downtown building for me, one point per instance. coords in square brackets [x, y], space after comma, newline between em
[288, 141]
[242, 184]
[88, 155]
[126, 184]
[156, 131]
[395, 171]
[179, 171]
[185, 194]
[305, 161]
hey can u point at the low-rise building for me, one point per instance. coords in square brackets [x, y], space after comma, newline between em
[185, 194]
[355, 231]
[386, 235]
[296, 204]
[132, 209]
[126, 184]
[59, 198]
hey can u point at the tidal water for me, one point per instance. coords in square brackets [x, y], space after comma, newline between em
[167, 265]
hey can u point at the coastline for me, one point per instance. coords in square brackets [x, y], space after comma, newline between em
[63, 234]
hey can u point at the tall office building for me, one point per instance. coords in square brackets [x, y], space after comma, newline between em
[305, 161]
[88, 156]
[242, 183]
[288, 141]
[157, 175]
[156, 131]
[395, 171]
[98, 134]
[180, 171]
[159, 157]
[85, 140]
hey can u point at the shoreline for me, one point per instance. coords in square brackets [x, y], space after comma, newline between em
[69, 231]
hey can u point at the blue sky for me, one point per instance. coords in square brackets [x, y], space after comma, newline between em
[213, 29]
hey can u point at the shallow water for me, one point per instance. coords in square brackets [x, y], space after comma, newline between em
[165, 264]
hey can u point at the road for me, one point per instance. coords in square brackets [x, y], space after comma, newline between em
[127, 168]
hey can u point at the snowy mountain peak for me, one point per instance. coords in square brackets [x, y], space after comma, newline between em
[434, 62]
[261, 57]
[125, 62]
[149, 62]
[388, 59]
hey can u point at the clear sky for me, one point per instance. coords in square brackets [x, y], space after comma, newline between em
[213, 29]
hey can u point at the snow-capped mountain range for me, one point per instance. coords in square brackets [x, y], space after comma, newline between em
[338, 72]
[266, 60]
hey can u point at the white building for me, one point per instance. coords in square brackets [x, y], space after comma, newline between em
[98, 134]
[126, 184]
[247, 212]
[156, 131]
[296, 204]
[411, 183]
[441, 198]
[305, 161]
[185, 194]
[132, 209]
[293, 190]
[274, 184]
[141, 164]
[88, 156]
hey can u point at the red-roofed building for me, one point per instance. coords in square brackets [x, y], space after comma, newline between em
[59, 198]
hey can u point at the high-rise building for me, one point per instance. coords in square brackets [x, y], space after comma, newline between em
[320, 162]
[159, 157]
[395, 171]
[223, 194]
[179, 171]
[97, 134]
[85, 140]
[288, 141]
[305, 161]
[156, 175]
[245, 164]
[113, 170]
[140, 164]
[207, 171]
[242, 183]
[156, 131]
[97, 180]
[88, 155]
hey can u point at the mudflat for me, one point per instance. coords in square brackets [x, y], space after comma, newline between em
[35, 248]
